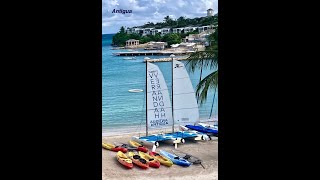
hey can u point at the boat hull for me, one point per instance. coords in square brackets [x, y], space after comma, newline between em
[202, 129]
[178, 161]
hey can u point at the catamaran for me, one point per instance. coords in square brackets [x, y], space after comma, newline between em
[163, 114]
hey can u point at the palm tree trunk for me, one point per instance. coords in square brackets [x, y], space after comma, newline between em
[200, 80]
[214, 95]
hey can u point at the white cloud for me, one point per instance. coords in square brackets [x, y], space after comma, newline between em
[181, 3]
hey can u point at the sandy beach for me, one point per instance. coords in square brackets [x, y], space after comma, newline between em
[207, 151]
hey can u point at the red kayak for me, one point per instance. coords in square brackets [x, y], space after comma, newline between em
[142, 149]
[124, 160]
[139, 161]
[152, 162]
[116, 149]
[138, 146]
[112, 147]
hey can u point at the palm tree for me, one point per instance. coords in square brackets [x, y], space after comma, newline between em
[207, 59]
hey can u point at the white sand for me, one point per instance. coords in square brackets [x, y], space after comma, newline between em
[207, 151]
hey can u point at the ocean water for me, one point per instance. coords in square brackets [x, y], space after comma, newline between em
[125, 112]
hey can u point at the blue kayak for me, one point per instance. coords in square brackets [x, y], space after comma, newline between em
[175, 159]
[203, 129]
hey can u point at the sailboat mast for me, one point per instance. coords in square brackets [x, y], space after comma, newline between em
[146, 98]
[172, 93]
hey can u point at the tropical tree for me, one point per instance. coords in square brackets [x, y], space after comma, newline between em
[120, 38]
[207, 59]
[181, 21]
[157, 37]
[168, 20]
[172, 38]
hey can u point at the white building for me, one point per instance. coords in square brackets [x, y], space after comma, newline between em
[132, 42]
[137, 30]
[178, 30]
[165, 31]
[155, 31]
[156, 45]
[147, 31]
[128, 31]
[204, 28]
[189, 29]
[190, 38]
[210, 12]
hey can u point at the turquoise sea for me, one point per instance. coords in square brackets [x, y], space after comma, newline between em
[124, 112]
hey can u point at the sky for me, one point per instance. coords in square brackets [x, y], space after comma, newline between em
[144, 11]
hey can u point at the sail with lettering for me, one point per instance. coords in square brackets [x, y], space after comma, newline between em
[159, 112]
[185, 106]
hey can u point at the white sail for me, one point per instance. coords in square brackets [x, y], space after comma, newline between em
[186, 110]
[158, 100]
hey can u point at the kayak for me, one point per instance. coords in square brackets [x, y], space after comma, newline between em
[202, 136]
[203, 129]
[175, 159]
[152, 161]
[138, 146]
[112, 147]
[143, 149]
[208, 126]
[163, 160]
[136, 159]
[188, 157]
[134, 144]
[124, 160]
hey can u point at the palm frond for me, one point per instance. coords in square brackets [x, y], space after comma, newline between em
[207, 59]
[206, 84]
[202, 59]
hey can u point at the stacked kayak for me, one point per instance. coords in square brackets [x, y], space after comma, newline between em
[175, 159]
[114, 148]
[124, 160]
[139, 161]
[152, 161]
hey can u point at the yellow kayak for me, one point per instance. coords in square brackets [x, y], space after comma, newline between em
[134, 144]
[163, 160]
[152, 161]
[138, 160]
[107, 146]
[112, 147]
[124, 160]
